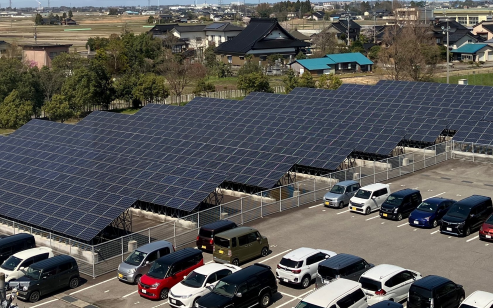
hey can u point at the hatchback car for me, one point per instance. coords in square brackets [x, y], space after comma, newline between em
[15, 265]
[466, 215]
[300, 266]
[198, 283]
[341, 266]
[387, 282]
[486, 230]
[478, 299]
[205, 239]
[239, 245]
[369, 198]
[339, 194]
[342, 293]
[435, 291]
[400, 204]
[429, 212]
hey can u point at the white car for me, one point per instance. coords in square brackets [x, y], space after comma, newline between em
[300, 266]
[13, 266]
[478, 299]
[369, 198]
[198, 283]
[343, 292]
[387, 282]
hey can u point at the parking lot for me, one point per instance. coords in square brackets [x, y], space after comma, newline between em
[467, 261]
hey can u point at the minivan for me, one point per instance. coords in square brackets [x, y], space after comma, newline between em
[341, 266]
[369, 198]
[238, 245]
[435, 291]
[466, 215]
[14, 266]
[167, 271]
[141, 259]
[400, 204]
[47, 276]
[13, 244]
[341, 193]
[205, 239]
[248, 287]
[342, 293]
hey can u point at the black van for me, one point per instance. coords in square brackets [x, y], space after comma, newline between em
[205, 239]
[435, 291]
[466, 215]
[341, 266]
[400, 204]
[13, 244]
[248, 287]
[47, 276]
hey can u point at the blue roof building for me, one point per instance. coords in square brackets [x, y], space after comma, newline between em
[334, 63]
[473, 52]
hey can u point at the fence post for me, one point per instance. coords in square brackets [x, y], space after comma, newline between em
[424, 158]
[314, 188]
[93, 262]
[374, 173]
[122, 248]
[387, 168]
[261, 206]
[472, 146]
[149, 230]
[280, 199]
[241, 209]
[174, 233]
[435, 154]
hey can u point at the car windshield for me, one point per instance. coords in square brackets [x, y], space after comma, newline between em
[370, 284]
[33, 273]
[394, 200]
[459, 211]
[428, 207]
[225, 289]
[419, 296]
[490, 220]
[221, 242]
[303, 304]
[194, 280]
[11, 263]
[363, 194]
[337, 189]
[158, 270]
[136, 258]
[290, 263]
[327, 272]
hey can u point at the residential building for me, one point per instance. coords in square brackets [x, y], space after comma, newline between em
[41, 54]
[474, 52]
[484, 29]
[333, 64]
[69, 22]
[262, 37]
[458, 35]
[340, 29]
[413, 14]
[4, 46]
[201, 36]
[300, 36]
[165, 18]
[160, 31]
[318, 15]
[466, 17]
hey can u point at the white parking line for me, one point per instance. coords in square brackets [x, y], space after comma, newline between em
[38, 305]
[435, 195]
[132, 293]
[288, 295]
[209, 262]
[311, 207]
[160, 305]
[274, 256]
[435, 232]
[97, 284]
[342, 212]
[289, 301]
[303, 295]
[373, 217]
[472, 239]
[402, 225]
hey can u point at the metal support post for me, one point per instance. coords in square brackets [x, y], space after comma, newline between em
[241, 209]
[374, 173]
[280, 199]
[360, 175]
[413, 162]
[435, 154]
[149, 234]
[174, 234]
[123, 250]
[472, 147]
[261, 206]
[387, 168]
[93, 261]
[314, 187]
[424, 158]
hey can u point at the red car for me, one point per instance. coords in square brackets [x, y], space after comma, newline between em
[168, 271]
[486, 231]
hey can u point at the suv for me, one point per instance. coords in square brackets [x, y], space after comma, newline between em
[435, 291]
[369, 198]
[478, 299]
[205, 239]
[12, 244]
[300, 266]
[238, 245]
[430, 212]
[167, 271]
[47, 276]
[252, 285]
[342, 293]
[340, 194]
[341, 266]
[466, 215]
[387, 282]
[400, 204]
[14, 266]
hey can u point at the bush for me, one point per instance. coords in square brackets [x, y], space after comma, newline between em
[203, 86]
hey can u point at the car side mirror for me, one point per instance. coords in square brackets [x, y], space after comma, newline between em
[21, 269]
[472, 215]
[239, 295]
[147, 262]
[258, 239]
[44, 277]
[209, 286]
[327, 256]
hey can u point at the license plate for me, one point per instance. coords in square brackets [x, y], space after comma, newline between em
[172, 300]
[449, 229]
[416, 222]
[327, 203]
[285, 280]
[354, 209]
[384, 215]
[488, 236]
[120, 275]
[143, 291]
[221, 252]
[203, 247]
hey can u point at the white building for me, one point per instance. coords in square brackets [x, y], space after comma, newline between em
[201, 36]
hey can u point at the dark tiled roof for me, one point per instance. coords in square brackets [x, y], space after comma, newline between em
[161, 29]
[488, 27]
[298, 35]
[194, 28]
[223, 27]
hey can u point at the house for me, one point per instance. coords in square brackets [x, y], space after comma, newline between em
[4, 47]
[160, 31]
[333, 64]
[474, 52]
[318, 15]
[41, 54]
[484, 29]
[300, 36]
[50, 21]
[262, 37]
[69, 22]
[413, 14]
[340, 29]
[165, 18]
[201, 36]
[466, 17]
[458, 35]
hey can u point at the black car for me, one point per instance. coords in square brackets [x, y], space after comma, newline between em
[252, 285]
[205, 239]
[466, 215]
[12, 244]
[341, 266]
[400, 204]
[387, 304]
[435, 291]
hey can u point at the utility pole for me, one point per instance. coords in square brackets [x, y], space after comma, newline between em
[348, 18]
[447, 30]
[374, 27]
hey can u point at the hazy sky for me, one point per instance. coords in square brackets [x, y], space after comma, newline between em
[98, 3]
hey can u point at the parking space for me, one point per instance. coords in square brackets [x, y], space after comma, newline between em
[467, 261]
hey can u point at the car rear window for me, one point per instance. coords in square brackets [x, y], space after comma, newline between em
[221, 242]
[205, 233]
[291, 263]
[303, 304]
[327, 272]
[419, 296]
[370, 284]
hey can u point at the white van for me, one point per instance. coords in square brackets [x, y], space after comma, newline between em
[369, 198]
[13, 266]
[342, 293]
[478, 299]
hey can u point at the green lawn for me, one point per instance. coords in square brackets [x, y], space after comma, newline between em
[126, 111]
[472, 79]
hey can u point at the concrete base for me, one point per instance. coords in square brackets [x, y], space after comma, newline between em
[369, 164]
[238, 194]
[328, 180]
[405, 162]
[419, 151]
[356, 176]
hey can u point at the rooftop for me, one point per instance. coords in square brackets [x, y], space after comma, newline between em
[469, 48]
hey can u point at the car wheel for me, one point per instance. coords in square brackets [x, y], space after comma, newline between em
[305, 282]
[468, 231]
[195, 302]
[399, 217]
[265, 251]
[341, 205]
[34, 297]
[164, 293]
[73, 283]
[235, 262]
[368, 211]
[434, 223]
[265, 300]
[137, 279]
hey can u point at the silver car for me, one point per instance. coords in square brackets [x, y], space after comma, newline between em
[139, 261]
[340, 194]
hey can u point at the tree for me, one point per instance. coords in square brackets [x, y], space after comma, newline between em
[290, 81]
[249, 67]
[180, 73]
[373, 53]
[329, 82]
[150, 88]
[114, 55]
[271, 59]
[113, 11]
[68, 62]
[151, 20]
[70, 14]
[203, 86]
[263, 10]
[124, 88]
[64, 15]
[306, 80]
[38, 20]
[14, 111]
[77, 91]
[326, 43]
[95, 43]
[51, 81]
[58, 109]
[300, 56]
[254, 82]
